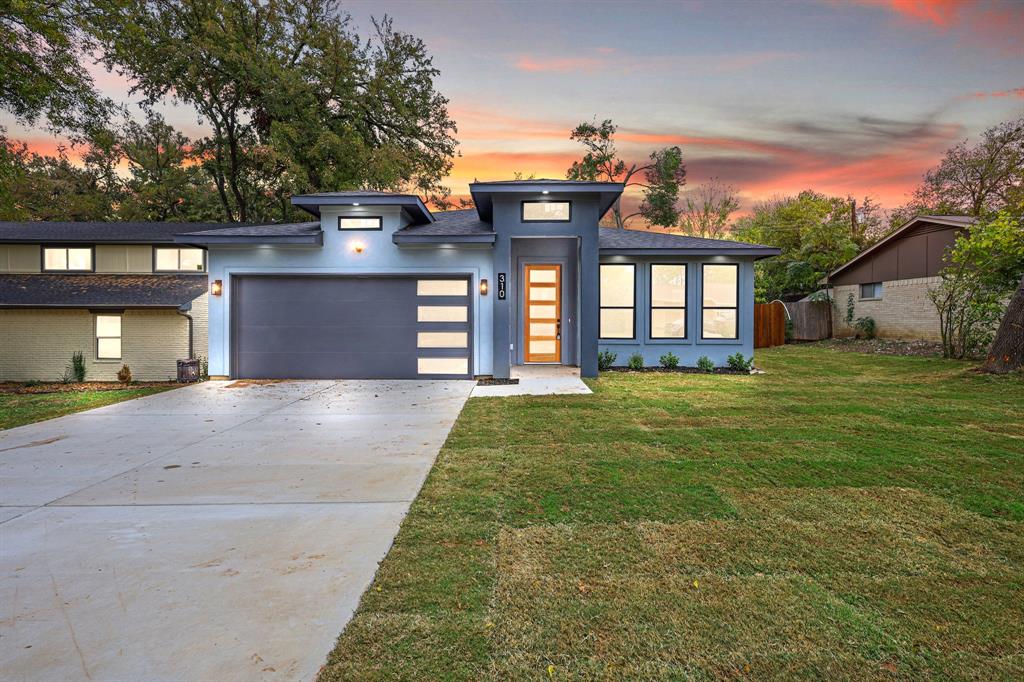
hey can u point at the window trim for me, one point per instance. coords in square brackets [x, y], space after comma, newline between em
[615, 307]
[524, 202]
[862, 297]
[65, 247]
[97, 337]
[178, 249]
[379, 219]
[651, 307]
[719, 307]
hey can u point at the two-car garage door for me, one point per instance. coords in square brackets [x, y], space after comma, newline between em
[320, 327]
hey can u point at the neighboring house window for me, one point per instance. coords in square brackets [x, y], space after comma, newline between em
[871, 290]
[75, 259]
[546, 211]
[370, 222]
[719, 315]
[186, 259]
[108, 337]
[617, 297]
[668, 301]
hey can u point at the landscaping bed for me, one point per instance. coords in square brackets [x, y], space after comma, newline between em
[682, 370]
[59, 387]
[928, 349]
[843, 516]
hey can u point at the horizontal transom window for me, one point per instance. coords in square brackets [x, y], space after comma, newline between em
[442, 313]
[186, 259]
[370, 222]
[442, 365]
[442, 287]
[547, 211]
[442, 339]
[63, 258]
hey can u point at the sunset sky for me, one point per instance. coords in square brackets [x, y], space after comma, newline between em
[843, 97]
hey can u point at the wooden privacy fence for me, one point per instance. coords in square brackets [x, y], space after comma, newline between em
[769, 324]
[812, 320]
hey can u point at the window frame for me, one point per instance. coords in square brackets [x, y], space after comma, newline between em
[862, 297]
[65, 247]
[524, 202]
[378, 218]
[651, 307]
[615, 307]
[720, 307]
[96, 335]
[178, 249]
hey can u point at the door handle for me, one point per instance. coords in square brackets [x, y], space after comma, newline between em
[558, 330]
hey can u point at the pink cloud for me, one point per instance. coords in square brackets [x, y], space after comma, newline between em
[1015, 92]
[557, 64]
[996, 24]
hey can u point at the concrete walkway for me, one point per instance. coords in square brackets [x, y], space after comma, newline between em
[538, 380]
[215, 532]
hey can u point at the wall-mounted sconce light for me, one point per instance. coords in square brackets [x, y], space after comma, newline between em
[217, 288]
[358, 247]
[483, 287]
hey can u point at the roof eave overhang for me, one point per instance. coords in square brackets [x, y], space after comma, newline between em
[412, 206]
[313, 239]
[758, 254]
[481, 191]
[442, 239]
[105, 242]
[98, 306]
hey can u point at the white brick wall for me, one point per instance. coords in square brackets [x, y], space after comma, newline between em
[37, 344]
[903, 312]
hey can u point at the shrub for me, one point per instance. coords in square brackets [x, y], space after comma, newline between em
[204, 367]
[636, 361]
[32, 382]
[605, 359]
[78, 366]
[669, 360]
[705, 364]
[789, 330]
[865, 327]
[66, 377]
[124, 375]
[738, 362]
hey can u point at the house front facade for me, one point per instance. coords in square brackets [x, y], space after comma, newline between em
[378, 286]
[118, 293]
[890, 281]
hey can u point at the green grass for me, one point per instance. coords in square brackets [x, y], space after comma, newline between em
[25, 408]
[842, 516]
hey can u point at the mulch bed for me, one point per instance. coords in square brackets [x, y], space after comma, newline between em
[684, 370]
[928, 349]
[10, 387]
[497, 382]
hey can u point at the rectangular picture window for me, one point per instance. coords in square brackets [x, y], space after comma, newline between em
[108, 337]
[546, 211]
[370, 222]
[668, 301]
[720, 301]
[871, 290]
[617, 300]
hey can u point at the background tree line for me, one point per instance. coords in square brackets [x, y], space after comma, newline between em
[296, 100]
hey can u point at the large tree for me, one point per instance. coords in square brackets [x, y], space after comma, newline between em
[815, 234]
[660, 177]
[973, 180]
[296, 99]
[42, 65]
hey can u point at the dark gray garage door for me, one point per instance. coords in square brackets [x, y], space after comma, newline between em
[309, 327]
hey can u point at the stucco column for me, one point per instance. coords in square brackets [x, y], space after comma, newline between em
[589, 265]
[503, 308]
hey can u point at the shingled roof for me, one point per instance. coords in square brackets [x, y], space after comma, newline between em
[100, 291]
[274, 233]
[460, 226]
[77, 232]
[616, 239]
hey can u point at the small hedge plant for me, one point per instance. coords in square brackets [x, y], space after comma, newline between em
[669, 360]
[636, 361]
[78, 366]
[738, 362]
[605, 359]
[705, 364]
[124, 375]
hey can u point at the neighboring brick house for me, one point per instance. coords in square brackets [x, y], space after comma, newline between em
[121, 293]
[889, 282]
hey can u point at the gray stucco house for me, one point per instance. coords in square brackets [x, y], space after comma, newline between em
[377, 286]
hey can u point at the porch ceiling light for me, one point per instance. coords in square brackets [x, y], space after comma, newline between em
[545, 192]
[355, 203]
[217, 288]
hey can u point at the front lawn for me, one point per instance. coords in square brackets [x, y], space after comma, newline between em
[842, 516]
[17, 409]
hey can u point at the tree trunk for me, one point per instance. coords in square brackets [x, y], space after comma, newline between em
[1007, 351]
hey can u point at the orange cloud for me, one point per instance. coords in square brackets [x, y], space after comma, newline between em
[1015, 92]
[941, 13]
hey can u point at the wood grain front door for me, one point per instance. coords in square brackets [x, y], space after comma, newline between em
[543, 313]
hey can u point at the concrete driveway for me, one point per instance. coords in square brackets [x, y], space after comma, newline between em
[214, 532]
